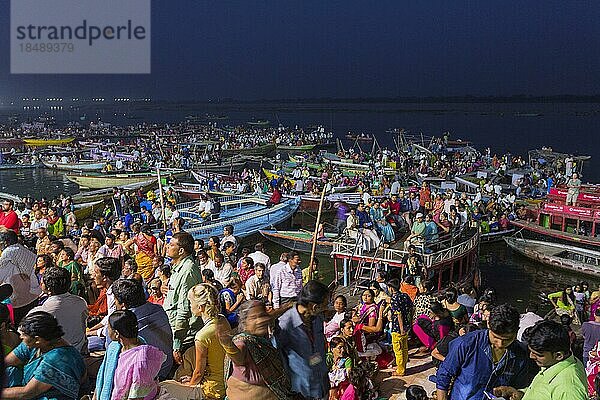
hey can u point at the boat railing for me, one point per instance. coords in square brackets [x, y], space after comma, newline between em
[226, 201]
[267, 212]
[472, 239]
[468, 240]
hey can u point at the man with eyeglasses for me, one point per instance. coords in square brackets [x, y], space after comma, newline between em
[8, 217]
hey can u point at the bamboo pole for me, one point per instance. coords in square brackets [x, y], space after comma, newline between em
[314, 240]
[162, 199]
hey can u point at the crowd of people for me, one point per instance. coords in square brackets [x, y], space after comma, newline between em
[117, 312]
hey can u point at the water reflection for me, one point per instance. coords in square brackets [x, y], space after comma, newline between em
[37, 182]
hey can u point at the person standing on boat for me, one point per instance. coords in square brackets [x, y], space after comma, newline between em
[228, 237]
[573, 185]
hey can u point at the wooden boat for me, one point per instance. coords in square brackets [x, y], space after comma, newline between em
[232, 164]
[296, 149]
[259, 122]
[300, 240]
[86, 210]
[495, 236]
[107, 193]
[361, 138]
[252, 215]
[570, 258]
[11, 142]
[47, 142]
[563, 223]
[87, 165]
[453, 260]
[261, 150]
[201, 176]
[102, 181]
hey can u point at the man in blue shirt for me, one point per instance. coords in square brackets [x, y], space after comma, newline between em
[300, 338]
[485, 359]
[153, 322]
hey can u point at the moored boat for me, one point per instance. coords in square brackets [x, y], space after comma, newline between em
[83, 165]
[101, 181]
[296, 149]
[300, 240]
[252, 215]
[107, 193]
[85, 210]
[260, 150]
[561, 256]
[47, 142]
[259, 122]
[568, 224]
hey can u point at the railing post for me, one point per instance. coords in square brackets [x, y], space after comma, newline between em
[345, 272]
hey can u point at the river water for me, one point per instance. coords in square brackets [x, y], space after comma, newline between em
[510, 127]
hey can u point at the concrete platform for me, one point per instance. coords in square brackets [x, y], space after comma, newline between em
[418, 370]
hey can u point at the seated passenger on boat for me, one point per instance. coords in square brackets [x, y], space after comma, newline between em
[365, 224]
[417, 232]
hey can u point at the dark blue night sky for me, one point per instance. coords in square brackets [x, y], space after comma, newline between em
[290, 49]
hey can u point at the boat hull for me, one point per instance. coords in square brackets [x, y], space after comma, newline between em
[86, 210]
[299, 241]
[545, 253]
[297, 149]
[248, 223]
[107, 181]
[88, 167]
[565, 237]
[47, 142]
[257, 151]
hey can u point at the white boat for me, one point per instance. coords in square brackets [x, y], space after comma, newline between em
[557, 255]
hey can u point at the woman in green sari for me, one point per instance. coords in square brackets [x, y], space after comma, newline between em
[52, 369]
[66, 260]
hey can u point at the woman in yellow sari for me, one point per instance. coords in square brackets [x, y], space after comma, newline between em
[145, 251]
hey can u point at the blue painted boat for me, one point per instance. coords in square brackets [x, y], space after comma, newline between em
[247, 214]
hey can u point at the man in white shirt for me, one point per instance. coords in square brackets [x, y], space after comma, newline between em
[17, 269]
[223, 270]
[395, 189]
[288, 281]
[527, 320]
[70, 310]
[260, 257]
[275, 268]
[228, 237]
